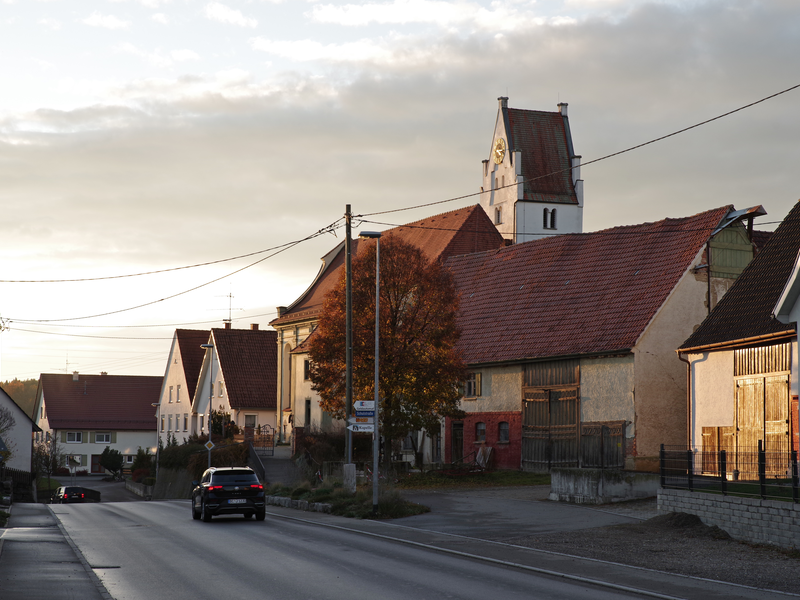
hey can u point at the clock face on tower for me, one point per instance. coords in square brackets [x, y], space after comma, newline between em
[499, 150]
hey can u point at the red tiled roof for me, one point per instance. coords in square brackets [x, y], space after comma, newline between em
[543, 139]
[456, 232]
[105, 402]
[192, 354]
[249, 362]
[760, 239]
[746, 310]
[573, 294]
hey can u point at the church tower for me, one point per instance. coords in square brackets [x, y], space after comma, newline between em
[531, 180]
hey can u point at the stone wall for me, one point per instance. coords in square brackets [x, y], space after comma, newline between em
[140, 489]
[747, 519]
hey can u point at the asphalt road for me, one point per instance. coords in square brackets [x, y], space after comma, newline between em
[155, 550]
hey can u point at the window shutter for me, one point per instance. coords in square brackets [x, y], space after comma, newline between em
[63, 437]
[84, 437]
[83, 460]
[92, 438]
[113, 437]
[478, 384]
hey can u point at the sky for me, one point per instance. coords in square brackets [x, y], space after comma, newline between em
[157, 135]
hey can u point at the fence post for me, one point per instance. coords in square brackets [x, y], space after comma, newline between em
[723, 472]
[794, 477]
[661, 468]
[762, 470]
[690, 470]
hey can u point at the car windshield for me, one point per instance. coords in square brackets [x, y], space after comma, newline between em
[240, 477]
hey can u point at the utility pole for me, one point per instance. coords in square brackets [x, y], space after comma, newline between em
[348, 337]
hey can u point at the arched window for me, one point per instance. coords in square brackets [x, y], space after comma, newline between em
[480, 432]
[546, 218]
[498, 215]
[502, 432]
[553, 219]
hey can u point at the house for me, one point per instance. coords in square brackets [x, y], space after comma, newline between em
[571, 339]
[531, 182]
[238, 378]
[87, 413]
[440, 236]
[180, 383]
[742, 360]
[19, 438]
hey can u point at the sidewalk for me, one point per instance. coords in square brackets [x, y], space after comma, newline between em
[37, 561]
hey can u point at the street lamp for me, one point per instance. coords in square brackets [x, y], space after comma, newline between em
[157, 406]
[376, 235]
[210, 395]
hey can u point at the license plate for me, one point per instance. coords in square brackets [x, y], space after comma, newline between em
[237, 501]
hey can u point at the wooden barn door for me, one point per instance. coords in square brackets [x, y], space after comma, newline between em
[550, 429]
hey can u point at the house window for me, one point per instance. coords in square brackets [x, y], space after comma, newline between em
[502, 432]
[480, 432]
[307, 422]
[102, 438]
[472, 385]
[74, 437]
[178, 394]
[169, 423]
[129, 459]
[201, 422]
[162, 422]
[546, 218]
[170, 394]
[553, 219]
[306, 370]
[220, 389]
[498, 215]
[186, 421]
[250, 420]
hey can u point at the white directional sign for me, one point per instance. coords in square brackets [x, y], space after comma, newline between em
[364, 405]
[361, 428]
[361, 420]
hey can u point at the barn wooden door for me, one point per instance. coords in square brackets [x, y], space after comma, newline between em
[550, 426]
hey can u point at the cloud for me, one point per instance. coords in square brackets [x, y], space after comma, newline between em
[310, 50]
[444, 14]
[184, 55]
[105, 21]
[224, 14]
[52, 24]
[160, 18]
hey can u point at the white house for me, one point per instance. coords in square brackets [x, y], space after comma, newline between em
[86, 413]
[19, 439]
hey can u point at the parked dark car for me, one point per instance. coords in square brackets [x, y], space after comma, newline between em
[228, 490]
[67, 495]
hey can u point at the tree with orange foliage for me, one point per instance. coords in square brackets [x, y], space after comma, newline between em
[420, 367]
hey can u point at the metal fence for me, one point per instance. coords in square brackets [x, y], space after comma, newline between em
[762, 472]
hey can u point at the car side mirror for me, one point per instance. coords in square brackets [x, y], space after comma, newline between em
[195, 483]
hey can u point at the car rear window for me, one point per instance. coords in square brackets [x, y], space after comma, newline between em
[235, 477]
[73, 490]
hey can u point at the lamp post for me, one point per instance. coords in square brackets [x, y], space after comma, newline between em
[210, 394]
[376, 235]
[157, 406]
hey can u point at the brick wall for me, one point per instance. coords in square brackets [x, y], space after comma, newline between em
[747, 519]
[506, 455]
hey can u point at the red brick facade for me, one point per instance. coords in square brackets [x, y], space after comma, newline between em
[505, 455]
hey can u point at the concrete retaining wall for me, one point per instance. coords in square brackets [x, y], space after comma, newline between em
[145, 491]
[298, 504]
[601, 486]
[747, 519]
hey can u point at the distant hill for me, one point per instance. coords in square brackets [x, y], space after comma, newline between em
[23, 393]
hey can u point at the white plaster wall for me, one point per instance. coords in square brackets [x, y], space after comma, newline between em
[569, 219]
[173, 377]
[501, 390]
[607, 391]
[712, 392]
[127, 444]
[18, 438]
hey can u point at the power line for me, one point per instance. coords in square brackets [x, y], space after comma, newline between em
[330, 228]
[596, 160]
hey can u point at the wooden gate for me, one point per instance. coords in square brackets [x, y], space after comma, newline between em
[762, 414]
[550, 425]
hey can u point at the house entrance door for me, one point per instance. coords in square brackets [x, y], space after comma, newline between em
[457, 442]
[550, 427]
[96, 468]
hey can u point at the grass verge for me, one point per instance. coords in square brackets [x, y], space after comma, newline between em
[3, 518]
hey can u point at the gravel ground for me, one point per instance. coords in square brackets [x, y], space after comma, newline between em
[676, 543]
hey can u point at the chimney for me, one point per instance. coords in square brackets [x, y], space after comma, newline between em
[562, 108]
[503, 100]
[227, 324]
[74, 376]
[281, 310]
[103, 372]
[254, 326]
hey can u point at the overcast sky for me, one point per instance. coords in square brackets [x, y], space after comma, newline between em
[142, 135]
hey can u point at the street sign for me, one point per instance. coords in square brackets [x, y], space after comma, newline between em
[361, 428]
[365, 413]
[361, 420]
[209, 444]
[364, 405]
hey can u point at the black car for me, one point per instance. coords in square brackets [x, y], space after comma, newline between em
[66, 495]
[228, 490]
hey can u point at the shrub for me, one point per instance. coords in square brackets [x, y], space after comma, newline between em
[82, 472]
[143, 460]
[226, 456]
[150, 481]
[137, 475]
[177, 457]
[61, 471]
